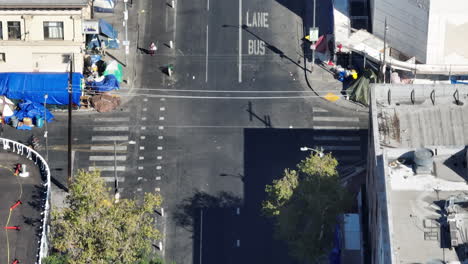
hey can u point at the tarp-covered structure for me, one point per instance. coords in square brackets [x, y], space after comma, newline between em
[104, 6]
[33, 87]
[358, 91]
[107, 35]
[104, 84]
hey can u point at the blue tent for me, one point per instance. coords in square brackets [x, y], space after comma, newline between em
[33, 87]
[104, 6]
[108, 31]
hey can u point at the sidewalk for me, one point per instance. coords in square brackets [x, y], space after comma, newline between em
[320, 80]
[116, 19]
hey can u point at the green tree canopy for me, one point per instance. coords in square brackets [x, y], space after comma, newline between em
[305, 204]
[96, 229]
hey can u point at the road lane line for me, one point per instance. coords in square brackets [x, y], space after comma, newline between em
[109, 138]
[206, 55]
[121, 128]
[208, 5]
[175, 25]
[240, 41]
[109, 147]
[107, 158]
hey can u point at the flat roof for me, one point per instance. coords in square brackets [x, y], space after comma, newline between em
[43, 3]
[23, 244]
[406, 118]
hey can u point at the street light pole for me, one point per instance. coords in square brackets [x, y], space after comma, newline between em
[318, 152]
[70, 102]
[383, 66]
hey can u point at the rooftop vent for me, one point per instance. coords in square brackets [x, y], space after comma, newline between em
[423, 161]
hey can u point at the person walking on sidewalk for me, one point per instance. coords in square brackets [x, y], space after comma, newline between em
[153, 48]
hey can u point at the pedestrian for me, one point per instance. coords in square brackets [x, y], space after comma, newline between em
[153, 48]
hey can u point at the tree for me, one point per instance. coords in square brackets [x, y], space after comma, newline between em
[96, 229]
[305, 205]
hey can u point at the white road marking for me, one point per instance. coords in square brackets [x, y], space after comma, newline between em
[121, 128]
[159, 157]
[140, 168]
[328, 148]
[145, 99]
[163, 99]
[143, 118]
[335, 118]
[160, 148]
[317, 109]
[141, 158]
[142, 147]
[112, 179]
[162, 109]
[161, 118]
[106, 168]
[157, 189]
[175, 25]
[206, 55]
[208, 5]
[337, 138]
[109, 138]
[158, 167]
[109, 147]
[240, 41]
[336, 127]
[145, 109]
[160, 127]
[140, 178]
[158, 178]
[160, 137]
[107, 158]
[111, 119]
[139, 189]
[142, 137]
[143, 128]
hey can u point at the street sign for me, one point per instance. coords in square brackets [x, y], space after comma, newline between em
[313, 33]
[126, 42]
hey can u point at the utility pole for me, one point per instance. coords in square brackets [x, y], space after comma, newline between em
[45, 124]
[313, 25]
[384, 65]
[70, 102]
[116, 180]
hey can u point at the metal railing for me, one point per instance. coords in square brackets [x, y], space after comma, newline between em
[31, 154]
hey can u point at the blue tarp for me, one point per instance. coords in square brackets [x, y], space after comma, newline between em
[30, 109]
[109, 83]
[104, 6]
[33, 87]
[107, 30]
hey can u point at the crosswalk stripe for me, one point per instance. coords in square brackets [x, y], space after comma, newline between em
[106, 168]
[112, 179]
[109, 138]
[336, 118]
[107, 158]
[340, 147]
[336, 138]
[336, 127]
[317, 109]
[111, 119]
[111, 128]
[109, 147]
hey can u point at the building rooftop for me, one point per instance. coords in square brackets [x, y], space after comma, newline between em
[42, 3]
[22, 245]
[432, 120]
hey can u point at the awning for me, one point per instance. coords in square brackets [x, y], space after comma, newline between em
[107, 30]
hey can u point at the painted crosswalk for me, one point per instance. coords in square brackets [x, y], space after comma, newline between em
[343, 135]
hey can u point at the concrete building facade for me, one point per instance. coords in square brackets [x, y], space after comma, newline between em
[432, 31]
[38, 36]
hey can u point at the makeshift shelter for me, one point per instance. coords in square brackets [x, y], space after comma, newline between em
[115, 69]
[359, 90]
[104, 6]
[6, 106]
[104, 84]
[33, 87]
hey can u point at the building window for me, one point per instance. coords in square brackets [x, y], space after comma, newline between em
[2, 57]
[1, 30]
[14, 30]
[53, 30]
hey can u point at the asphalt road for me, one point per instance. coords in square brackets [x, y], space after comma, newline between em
[203, 137]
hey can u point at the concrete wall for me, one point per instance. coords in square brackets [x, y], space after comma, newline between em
[407, 22]
[33, 53]
[448, 32]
